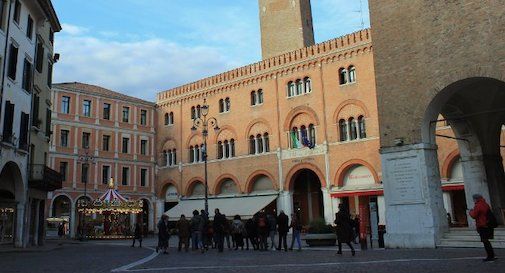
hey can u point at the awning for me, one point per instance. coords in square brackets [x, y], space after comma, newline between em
[245, 206]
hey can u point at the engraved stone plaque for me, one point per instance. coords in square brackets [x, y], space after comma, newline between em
[405, 181]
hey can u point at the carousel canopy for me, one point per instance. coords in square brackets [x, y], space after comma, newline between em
[110, 202]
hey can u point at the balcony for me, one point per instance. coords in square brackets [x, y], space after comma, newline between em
[44, 178]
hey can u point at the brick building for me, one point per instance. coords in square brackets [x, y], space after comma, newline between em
[300, 126]
[99, 134]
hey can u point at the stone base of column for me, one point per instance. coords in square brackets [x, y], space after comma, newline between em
[415, 214]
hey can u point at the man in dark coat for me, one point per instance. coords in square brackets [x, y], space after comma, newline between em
[183, 228]
[263, 230]
[344, 228]
[163, 234]
[218, 226]
[283, 228]
[137, 234]
[252, 232]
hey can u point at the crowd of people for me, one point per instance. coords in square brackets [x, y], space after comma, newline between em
[257, 233]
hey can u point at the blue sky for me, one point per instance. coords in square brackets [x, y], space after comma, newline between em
[141, 47]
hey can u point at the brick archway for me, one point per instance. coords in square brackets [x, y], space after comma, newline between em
[252, 179]
[358, 103]
[163, 187]
[293, 173]
[221, 179]
[299, 110]
[191, 183]
[341, 172]
[448, 163]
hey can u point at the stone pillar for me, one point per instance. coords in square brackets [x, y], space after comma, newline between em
[285, 203]
[415, 214]
[474, 175]
[495, 178]
[72, 223]
[381, 207]
[327, 206]
[20, 215]
[448, 203]
[36, 220]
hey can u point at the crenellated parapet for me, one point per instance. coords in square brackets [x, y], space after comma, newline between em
[328, 51]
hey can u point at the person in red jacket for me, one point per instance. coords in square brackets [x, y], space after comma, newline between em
[480, 214]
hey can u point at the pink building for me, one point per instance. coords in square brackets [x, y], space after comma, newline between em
[99, 134]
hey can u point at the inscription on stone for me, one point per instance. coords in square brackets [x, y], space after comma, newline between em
[405, 184]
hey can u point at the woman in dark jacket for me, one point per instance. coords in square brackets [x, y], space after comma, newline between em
[137, 234]
[344, 228]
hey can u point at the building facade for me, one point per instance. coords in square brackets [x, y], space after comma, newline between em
[301, 127]
[23, 24]
[99, 134]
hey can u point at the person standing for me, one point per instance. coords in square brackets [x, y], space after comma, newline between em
[196, 231]
[205, 230]
[237, 230]
[227, 232]
[283, 228]
[218, 226]
[137, 234]
[184, 231]
[272, 225]
[163, 234]
[263, 231]
[251, 234]
[485, 222]
[344, 228]
[297, 230]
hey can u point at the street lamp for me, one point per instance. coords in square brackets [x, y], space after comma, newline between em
[204, 124]
[85, 159]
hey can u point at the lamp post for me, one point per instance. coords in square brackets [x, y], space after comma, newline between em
[204, 123]
[85, 159]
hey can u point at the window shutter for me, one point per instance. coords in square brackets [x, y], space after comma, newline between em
[8, 119]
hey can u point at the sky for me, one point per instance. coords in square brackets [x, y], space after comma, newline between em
[142, 47]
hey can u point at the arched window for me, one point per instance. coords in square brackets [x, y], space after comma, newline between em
[197, 153]
[166, 118]
[193, 113]
[220, 150]
[226, 149]
[171, 118]
[260, 96]
[299, 87]
[308, 85]
[252, 145]
[260, 143]
[352, 74]
[170, 159]
[352, 128]
[221, 106]
[191, 154]
[174, 157]
[343, 129]
[267, 142]
[164, 158]
[362, 127]
[198, 112]
[295, 138]
[291, 89]
[227, 105]
[342, 72]
[253, 98]
[232, 147]
[312, 135]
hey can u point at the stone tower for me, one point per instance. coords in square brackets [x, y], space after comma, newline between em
[286, 25]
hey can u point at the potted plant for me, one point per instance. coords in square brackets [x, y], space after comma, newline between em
[320, 234]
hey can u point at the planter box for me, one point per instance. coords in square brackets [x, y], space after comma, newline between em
[325, 239]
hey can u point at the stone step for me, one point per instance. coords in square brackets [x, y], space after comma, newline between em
[447, 243]
[468, 237]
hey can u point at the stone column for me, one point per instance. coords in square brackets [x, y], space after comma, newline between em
[415, 214]
[474, 175]
[381, 207]
[448, 203]
[285, 203]
[20, 216]
[263, 140]
[72, 223]
[495, 178]
[327, 206]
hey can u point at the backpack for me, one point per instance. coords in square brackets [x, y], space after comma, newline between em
[491, 219]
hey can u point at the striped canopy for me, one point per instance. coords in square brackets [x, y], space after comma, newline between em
[110, 195]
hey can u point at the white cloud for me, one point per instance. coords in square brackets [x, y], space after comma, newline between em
[73, 29]
[136, 68]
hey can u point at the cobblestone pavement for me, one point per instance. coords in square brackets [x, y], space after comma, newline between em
[118, 256]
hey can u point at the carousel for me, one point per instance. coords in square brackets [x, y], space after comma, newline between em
[109, 216]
